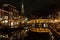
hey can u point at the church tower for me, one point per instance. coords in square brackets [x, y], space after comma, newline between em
[22, 8]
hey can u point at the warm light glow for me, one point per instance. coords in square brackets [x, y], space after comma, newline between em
[6, 21]
[28, 22]
[26, 18]
[22, 21]
[26, 30]
[40, 30]
[56, 20]
[15, 26]
[44, 25]
[17, 23]
[5, 17]
[11, 27]
[3, 36]
[12, 24]
[2, 22]
[19, 16]
[51, 20]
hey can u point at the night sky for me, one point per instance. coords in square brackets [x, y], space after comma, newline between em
[36, 7]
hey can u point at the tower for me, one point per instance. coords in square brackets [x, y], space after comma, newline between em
[22, 8]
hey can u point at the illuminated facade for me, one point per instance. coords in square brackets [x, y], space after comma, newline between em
[9, 15]
[3, 14]
[13, 12]
[39, 21]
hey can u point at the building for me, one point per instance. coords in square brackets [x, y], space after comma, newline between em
[3, 14]
[9, 15]
[13, 12]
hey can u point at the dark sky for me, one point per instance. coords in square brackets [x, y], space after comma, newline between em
[36, 7]
[41, 7]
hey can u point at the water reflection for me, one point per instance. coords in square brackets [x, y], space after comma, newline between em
[14, 35]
